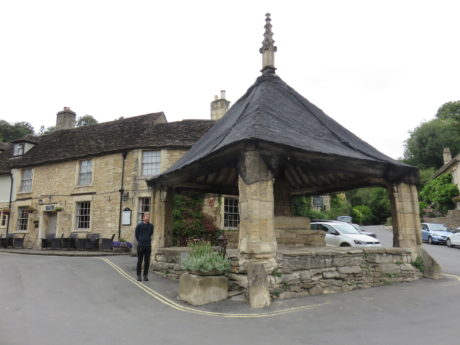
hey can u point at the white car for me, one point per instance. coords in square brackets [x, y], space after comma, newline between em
[344, 235]
[454, 238]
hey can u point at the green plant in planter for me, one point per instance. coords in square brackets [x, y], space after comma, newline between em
[205, 261]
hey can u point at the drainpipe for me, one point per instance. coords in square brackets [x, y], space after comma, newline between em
[124, 154]
[9, 204]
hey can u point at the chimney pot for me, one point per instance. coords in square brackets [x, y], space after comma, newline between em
[446, 155]
[222, 94]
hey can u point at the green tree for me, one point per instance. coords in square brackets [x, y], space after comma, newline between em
[10, 132]
[449, 110]
[425, 144]
[436, 196]
[362, 214]
[86, 120]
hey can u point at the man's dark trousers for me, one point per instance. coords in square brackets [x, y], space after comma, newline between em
[143, 254]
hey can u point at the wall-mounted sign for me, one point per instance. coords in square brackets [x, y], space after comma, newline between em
[126, 217]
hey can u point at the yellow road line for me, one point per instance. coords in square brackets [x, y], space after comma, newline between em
[452, 276]
[179, 307]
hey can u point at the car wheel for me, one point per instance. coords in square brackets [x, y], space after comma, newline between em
[449, 244]
[430, 240]
[345, 244]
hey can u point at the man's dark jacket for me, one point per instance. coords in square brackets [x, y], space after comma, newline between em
[144, 232]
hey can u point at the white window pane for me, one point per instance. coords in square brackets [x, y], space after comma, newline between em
[85, 173]
[150, 163]
[26, 180]
[23, 218]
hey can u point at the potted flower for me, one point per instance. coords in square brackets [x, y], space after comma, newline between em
[205, 281]
[205, 261]
[6, 211]
[121, 246]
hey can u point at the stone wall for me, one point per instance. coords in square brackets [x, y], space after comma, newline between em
[311, 271]
[56, 185]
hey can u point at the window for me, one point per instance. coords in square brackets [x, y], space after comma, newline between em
[144, 206]
[18, 149]
[23, 219]
[26, 180]
[150, 163]
[4, 220]
[83, 215]
[85, 173]
[231, 215]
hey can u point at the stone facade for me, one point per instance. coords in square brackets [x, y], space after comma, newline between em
[55, 186]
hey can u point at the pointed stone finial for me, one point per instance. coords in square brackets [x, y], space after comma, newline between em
[268, 47]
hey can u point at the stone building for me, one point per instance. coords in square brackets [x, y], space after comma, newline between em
[88, 179]
[451, 166]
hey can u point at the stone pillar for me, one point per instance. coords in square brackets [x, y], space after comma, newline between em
[405, 217]
[162, 218]
[257, 241]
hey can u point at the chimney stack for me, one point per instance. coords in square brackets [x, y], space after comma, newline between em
[219, 106]
[65, 119]
[446, 155]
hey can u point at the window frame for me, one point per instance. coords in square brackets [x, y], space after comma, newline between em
[18, 149]
[227, 212]
[156, 163]
[140, 205]
[85, 174]
[3, 219]
[29, 181]
[21, 220]
[78, 215]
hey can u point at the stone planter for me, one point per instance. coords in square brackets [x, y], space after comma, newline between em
[198, 289]
[121, 249]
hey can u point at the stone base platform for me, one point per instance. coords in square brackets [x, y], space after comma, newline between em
[310, 271]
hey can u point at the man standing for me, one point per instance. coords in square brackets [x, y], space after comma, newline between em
[143, 233]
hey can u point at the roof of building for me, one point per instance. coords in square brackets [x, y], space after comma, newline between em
[446, 167]
[4, 154]
[144, 131]
[273, 112]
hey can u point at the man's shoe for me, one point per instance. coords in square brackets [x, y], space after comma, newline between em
[146, 279]
[139, 278]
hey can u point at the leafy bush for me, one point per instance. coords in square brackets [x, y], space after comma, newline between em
[203, 258]
[362, 214]
[189, 221]
[436, 196]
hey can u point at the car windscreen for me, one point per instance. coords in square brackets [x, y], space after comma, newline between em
[346, 229]
[438, 227]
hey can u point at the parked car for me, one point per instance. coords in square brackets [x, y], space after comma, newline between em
[435, 233]
[454, 238]
[349, 220]
[344, 235]
[363, 232]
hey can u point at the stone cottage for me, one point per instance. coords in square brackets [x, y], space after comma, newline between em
[88, 179]
[451, 166]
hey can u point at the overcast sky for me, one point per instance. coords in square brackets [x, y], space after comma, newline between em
[379, 68]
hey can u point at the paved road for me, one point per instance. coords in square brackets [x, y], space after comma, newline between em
[62, 300]
[448, 258]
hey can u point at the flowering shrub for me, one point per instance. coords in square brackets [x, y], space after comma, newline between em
[122, 244]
